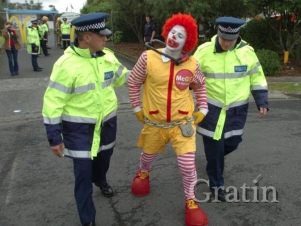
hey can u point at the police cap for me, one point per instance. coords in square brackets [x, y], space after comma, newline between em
[228, 27]
[34, 21]
[93, 22]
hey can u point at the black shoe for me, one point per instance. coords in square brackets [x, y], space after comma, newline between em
[48, 47]
[90, 224]
[38, 69]
[16, 73]
[219, 194]
[106, 190]
[12, 74]
[47, 54]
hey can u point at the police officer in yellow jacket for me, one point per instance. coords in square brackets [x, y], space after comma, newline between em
[65, 30]
[43, 33]
[80, 107]
[232, 71]
[33, 44]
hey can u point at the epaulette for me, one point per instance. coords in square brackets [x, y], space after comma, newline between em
[204, 45]
[109, 50]
[250, 47]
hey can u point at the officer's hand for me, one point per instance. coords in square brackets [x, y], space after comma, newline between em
[199, 116]
[140, 116]
[263, 112]
[58, 150]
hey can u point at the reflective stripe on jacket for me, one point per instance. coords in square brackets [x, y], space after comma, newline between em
[230, 77]
[79, 98]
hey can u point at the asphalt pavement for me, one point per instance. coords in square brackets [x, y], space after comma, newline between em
[36, 187]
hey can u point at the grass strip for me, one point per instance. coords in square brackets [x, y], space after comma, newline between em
[288, 87]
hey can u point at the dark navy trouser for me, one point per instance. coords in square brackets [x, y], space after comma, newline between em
[44, 47]
[88, 171]
[215, 151]
[34, 62]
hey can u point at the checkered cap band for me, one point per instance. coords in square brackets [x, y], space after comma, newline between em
[97, 26]
[229, 29]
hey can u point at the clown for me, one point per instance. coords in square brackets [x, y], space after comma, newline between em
[168, 107]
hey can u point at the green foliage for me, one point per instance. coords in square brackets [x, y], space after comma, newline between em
[289, 87]
[27, 5]
[97, 6]
[294, 55]
[258, 34]
[117, 37]
[129, 16]
[2, 40]
[2, 18]
[285, 25]
[269, 61]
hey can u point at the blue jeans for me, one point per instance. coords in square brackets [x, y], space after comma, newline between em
[12, 56]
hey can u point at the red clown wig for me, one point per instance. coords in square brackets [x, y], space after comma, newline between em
[190, 25]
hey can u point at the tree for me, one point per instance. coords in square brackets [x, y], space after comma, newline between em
[31, 5]
[132, 13]
[52, 7]
[283, 16]
[2, 20]
[129, 15]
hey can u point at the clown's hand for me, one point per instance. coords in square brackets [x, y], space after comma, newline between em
[198, 117]
[140, 116]
[194, 86]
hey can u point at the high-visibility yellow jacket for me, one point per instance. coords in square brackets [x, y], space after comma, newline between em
[43, 31]
[230, 77]
[33, 40]
[80, 95]
[65, 28]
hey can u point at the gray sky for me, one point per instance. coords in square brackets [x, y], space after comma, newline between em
[60, 5]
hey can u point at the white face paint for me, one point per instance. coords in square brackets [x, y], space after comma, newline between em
[176, 38]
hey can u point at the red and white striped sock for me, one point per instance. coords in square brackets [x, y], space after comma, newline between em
[186, 164]
[146, 160]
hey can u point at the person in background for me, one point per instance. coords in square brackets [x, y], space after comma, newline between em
[80, 109]
[168, 113]
[58, 31]
[47, 33]
[33, 44]
[149, 30]
[65, 30]
[43, 33]
[11, 46]
[232, 71]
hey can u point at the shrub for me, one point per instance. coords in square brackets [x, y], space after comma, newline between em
[117, 37]
[294, 55]
[258, 34]
[269, 61]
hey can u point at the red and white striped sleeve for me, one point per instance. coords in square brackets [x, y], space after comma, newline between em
[200, 93]
[136, 79]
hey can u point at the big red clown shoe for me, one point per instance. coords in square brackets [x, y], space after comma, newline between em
[194, 216]
[141, 186]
